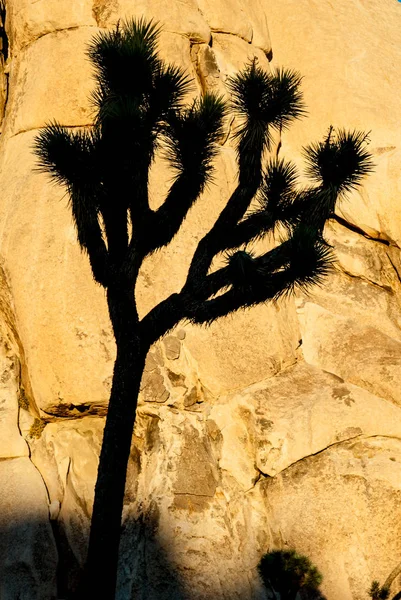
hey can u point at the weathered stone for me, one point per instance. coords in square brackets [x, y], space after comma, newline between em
[361, 355]
[12, 444]
[150, 364]
[228, 17]
[209, 71]
[195, 475]
[233, 53]
[179, 531]
[172, 347]
[236, 448]
[82, 333]
[184, 18]
[177, 379]
[13, 398]
[355, 298]
[300, 412]
[225, 351]
[51, 80]
[341, 508]
[27, 21]
[191, 397]
[363, 258]
[153, 388]
[67, 458]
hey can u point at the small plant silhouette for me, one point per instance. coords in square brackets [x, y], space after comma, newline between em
[291, 575]
[377, 592]
[382, 592]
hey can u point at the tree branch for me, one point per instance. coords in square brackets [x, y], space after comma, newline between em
[216, 239]
[300, 261]
[161, 226]
[163, 317]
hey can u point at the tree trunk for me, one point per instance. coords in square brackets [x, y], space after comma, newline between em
[101, 567]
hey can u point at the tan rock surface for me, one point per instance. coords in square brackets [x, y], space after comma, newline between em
[66, 455]
[71, 326]
[319, 505]
[51, 79]
[301, 412]
[182, 18]
[27, 21]
[361, 355]
[12, 444]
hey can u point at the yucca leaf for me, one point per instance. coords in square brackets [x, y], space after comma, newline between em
[278, 185]
[170, 85]
[341, 160]
[192, 136]
[310, 259]
[125, 59]
[67, 156]
[264, 101]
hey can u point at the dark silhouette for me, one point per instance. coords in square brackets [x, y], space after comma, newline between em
[291, 575]
[382, 592]
[378, 592]
[139, 103]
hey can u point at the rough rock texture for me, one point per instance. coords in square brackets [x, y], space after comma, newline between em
[279, 427]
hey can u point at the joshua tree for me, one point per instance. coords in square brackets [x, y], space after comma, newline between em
[290, 574]
[105, 168]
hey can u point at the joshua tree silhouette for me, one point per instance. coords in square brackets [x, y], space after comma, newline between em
[139, 103]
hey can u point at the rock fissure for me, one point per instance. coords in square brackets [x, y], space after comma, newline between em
[194, 48]
[3, 34]
[328, 447]
[197, 494]
[364, 278]
[72, 412]
[25, 47]
[29, 129]
[360, 231]
[394, 267]
[4, 52]
[226, 32]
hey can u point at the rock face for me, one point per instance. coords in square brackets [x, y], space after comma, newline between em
[276, 428]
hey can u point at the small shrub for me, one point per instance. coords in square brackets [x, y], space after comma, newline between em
[377, 592]
[23, 401]
[37, 428]
[288, 573]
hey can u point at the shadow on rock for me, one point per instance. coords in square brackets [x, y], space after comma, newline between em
[145, 571]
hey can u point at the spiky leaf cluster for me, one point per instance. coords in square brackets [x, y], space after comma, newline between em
[127, 65]
[341, 160]
[192, 136]
[264, 102]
